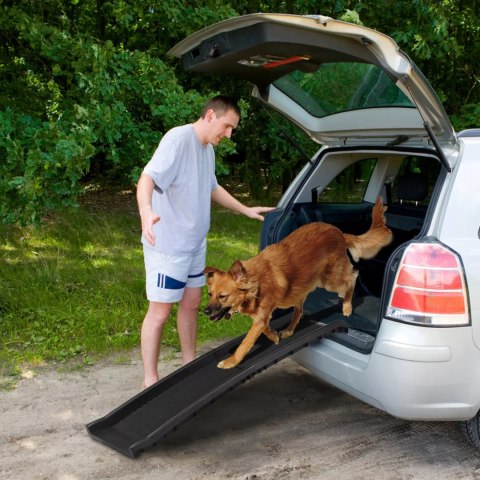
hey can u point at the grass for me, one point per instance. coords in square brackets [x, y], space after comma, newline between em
[73, 288]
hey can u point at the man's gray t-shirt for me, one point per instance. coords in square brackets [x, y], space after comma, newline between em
[183, 170]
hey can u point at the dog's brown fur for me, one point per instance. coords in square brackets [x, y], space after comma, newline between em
[283, 274]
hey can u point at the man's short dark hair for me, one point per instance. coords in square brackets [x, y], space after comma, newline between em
[221, 104]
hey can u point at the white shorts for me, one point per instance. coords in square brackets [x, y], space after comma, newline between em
[167, 276]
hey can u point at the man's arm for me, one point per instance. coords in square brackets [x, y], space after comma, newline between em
[144, 201]
[223, 198]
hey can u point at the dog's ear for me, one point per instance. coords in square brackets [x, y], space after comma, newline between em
[209, 271]
[237, 270]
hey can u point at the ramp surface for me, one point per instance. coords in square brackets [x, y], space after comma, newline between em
[149, 416]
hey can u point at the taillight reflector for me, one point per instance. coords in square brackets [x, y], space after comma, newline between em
[435, 278]
[428, 302]
[429, 287]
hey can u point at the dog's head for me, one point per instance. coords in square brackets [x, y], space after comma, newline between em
[229, 292]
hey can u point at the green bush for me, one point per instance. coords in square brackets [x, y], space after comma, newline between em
[41, 167]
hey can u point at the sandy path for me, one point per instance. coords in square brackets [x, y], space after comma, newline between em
[283, 424]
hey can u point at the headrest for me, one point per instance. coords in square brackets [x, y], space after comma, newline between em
[411, 187]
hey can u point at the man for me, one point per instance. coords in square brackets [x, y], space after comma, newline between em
[174, 195]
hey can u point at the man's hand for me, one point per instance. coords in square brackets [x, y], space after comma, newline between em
[149, 219]
[144, 200]
[223, 198]
[254, 212]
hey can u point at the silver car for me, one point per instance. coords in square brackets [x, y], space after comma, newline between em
[413, 344]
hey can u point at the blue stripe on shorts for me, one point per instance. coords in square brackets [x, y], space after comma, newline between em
[169, 283]
[197, 275]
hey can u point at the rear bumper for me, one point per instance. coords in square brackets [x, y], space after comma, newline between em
[414, 353]
[415, 373]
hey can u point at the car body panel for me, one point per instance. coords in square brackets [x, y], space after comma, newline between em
[458, 228]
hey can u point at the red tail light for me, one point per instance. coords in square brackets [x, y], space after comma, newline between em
[429, 287]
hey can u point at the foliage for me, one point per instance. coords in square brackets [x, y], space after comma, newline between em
[270, 157]
[98, 110]
[442, 38]
[88, 88]
[42, 165]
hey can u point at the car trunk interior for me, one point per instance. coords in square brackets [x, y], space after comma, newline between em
[341, 189]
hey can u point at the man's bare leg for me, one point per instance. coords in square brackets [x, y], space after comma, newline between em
[151, 336]
[187, 322]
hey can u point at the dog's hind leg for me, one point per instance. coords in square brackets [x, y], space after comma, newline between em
[348, 294]
[297, 314]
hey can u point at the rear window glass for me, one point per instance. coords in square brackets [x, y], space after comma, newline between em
[340, 87]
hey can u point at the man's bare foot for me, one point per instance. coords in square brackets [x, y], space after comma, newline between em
[148, 383]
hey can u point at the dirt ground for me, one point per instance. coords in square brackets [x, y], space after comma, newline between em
[282, 424]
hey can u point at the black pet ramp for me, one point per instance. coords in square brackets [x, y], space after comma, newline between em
[149, 416]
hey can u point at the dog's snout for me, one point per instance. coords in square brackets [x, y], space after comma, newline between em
[211, 309]
[216, 311]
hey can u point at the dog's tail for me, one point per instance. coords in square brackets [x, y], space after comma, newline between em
[371, 242]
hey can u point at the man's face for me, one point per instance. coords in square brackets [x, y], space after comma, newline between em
[222, 126]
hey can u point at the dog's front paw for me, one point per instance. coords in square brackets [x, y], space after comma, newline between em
[273, 336]
[227, 363]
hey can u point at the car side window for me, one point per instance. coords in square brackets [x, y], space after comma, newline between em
[349, 186]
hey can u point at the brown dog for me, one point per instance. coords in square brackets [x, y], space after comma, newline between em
[283, 274]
